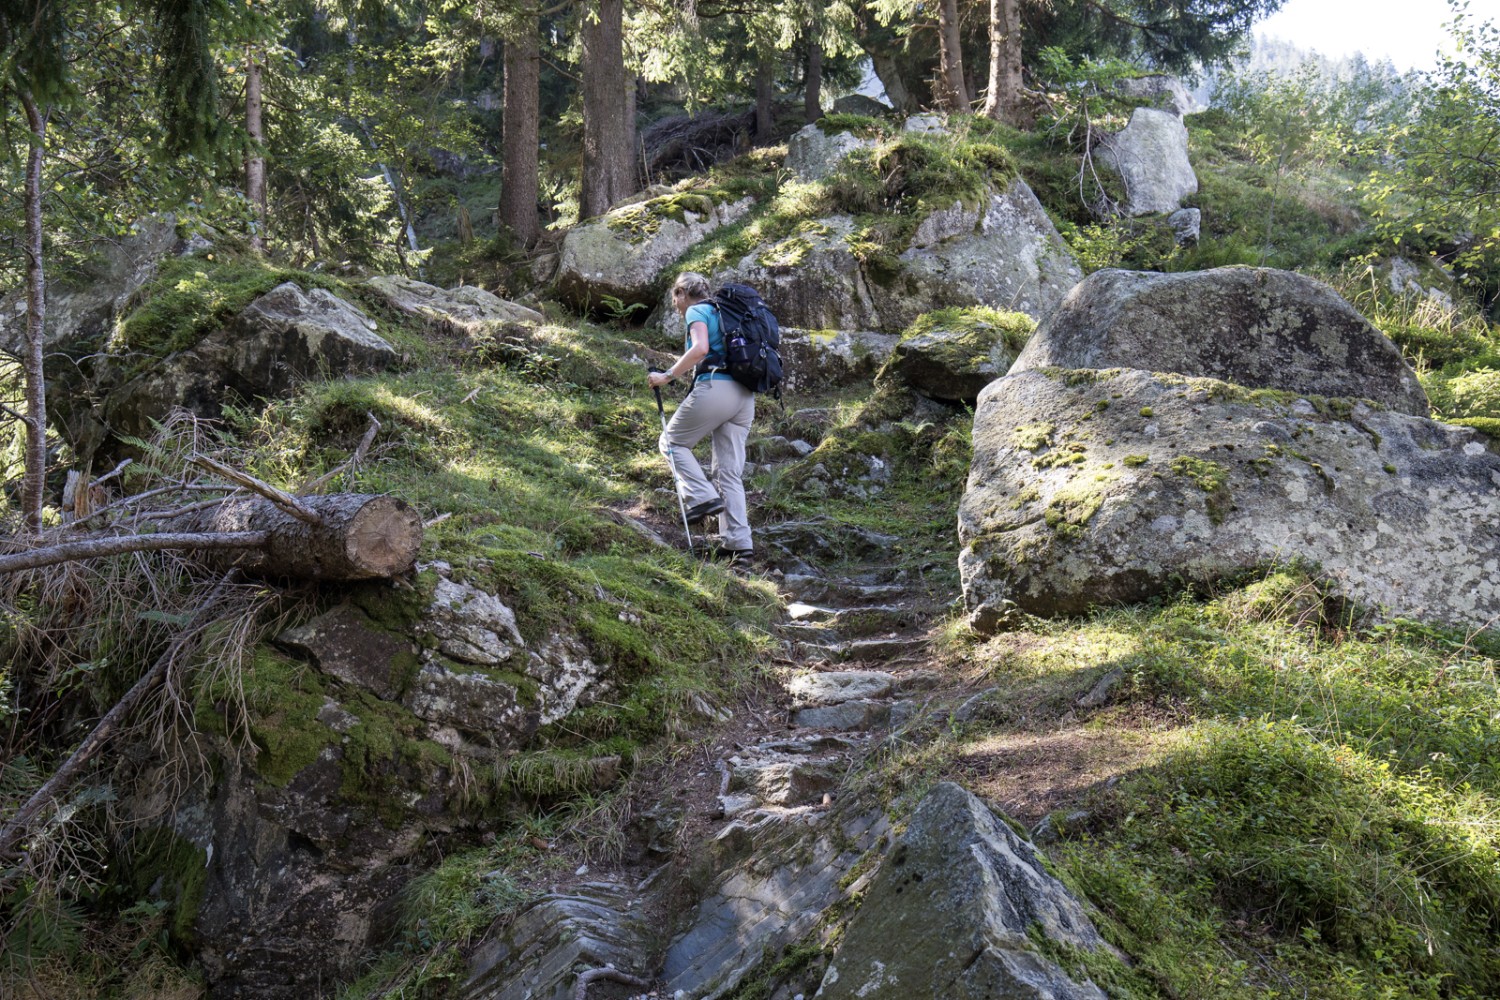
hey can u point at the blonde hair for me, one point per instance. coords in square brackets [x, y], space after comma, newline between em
[693, 284]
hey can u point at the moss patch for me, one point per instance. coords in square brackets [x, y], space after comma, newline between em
[192, 297]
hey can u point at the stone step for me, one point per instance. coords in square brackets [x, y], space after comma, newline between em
[832, 687]
[807, 633]
[886, 649]
[800, 781]
[845, 592]
[859, 714]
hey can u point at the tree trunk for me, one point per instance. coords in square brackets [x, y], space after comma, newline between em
[356, 536]
[890, 78]
[521, 138]
[606, 144]
[255, 162]
[952, 93]
[812, 87]
[1003, 102]
[633, 169]
[33, 482]
[764, 123]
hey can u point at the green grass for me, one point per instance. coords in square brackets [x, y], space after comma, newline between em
[1318, 815]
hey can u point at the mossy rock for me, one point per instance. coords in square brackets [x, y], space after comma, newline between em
[950, 355]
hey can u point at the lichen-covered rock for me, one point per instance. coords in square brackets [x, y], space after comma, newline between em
[567, 675]
[470, 625]
[1426, 280]
[466, 310]
[1094, 488]
[1254, 327]
[1163, 91]
[951, 915]
[818, 360]
[812, 155]
[925, 124]
[474, 701]
[625, 253]
[953, 362]
[1151, 156]
[286, 336]
[1002, 251]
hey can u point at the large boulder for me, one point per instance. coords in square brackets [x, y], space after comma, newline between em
[1002, 251]
[624, 254]
[1093, 488]
[812, 154]
[1163, 91]
[82, 307]
[1254, 327]
[1151, 156]
[286, 336]
[952, 914]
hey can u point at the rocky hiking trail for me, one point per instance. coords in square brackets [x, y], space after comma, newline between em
[763, 841]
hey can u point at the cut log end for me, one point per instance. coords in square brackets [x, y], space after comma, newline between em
[384, 537]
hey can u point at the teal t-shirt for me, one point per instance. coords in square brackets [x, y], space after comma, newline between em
[705, 313]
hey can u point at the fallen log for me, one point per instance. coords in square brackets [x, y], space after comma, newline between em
[354, 536]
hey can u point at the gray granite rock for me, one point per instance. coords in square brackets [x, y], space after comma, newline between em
[812, 155]
[951, 913]
[286, 336]
[344, 643]
[1002, 251]
[1094, 488]
[625, 253]
[1254, 327]
[467, 309]
[1151, 156]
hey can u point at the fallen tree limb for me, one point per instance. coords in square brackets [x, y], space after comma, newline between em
[19, 824]
[292, 505]
[581, 986]
[114, 545]
[355, 536]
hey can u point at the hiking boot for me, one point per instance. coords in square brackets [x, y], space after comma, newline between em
[698, 511]
[728, 555]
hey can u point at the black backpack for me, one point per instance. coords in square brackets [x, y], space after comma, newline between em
[751, 337]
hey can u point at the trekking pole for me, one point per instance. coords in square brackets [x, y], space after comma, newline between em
[672, 464]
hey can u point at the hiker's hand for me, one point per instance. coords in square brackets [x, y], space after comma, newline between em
[658, 379]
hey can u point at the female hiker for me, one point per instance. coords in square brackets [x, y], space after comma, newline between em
[718, 406]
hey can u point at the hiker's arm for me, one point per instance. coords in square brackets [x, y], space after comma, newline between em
[685, 364]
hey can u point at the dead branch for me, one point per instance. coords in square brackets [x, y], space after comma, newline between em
[581, 986]
[114, 545]
[353, 461]
[296, 508]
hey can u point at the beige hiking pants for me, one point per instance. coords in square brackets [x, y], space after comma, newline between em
[724, 409]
